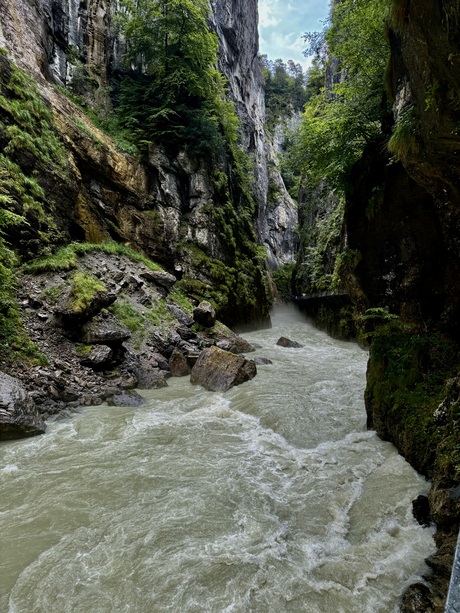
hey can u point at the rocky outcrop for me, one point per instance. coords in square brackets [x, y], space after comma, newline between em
[236, 25]
[19, 417]
[218, 370]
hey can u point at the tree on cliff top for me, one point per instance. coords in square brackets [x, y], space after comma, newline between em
[343, 117]
[171, 87]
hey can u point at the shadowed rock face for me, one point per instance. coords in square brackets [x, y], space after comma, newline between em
[19, 417]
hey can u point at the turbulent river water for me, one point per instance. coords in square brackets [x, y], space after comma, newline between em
[270, 498]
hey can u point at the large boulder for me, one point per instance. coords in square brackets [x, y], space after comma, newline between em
[73, 320]
[18, 414]
[100, 358]
[226, 339]
[218, 370]
[205, 314]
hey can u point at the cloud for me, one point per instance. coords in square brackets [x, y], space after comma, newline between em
[281, 26]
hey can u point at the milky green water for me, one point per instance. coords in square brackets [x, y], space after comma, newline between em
[270, 498]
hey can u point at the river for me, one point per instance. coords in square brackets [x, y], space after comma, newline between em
[270, 498]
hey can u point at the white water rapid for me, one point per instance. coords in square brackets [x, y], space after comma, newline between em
[270, 498]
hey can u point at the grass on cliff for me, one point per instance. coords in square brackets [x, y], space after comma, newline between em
[65, 258]
[83, 289]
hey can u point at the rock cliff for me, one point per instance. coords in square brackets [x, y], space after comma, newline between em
[402, 217]
[73, 43]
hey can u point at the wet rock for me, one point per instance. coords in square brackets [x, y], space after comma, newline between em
[148, 377]
[421, 510]
[128, 399]
[19, 417]
[260, 361]
[286, 342]
[205, 314]
[104, 329]
[178, 364]
[99, 358]
[226, 339]
[180, 315]
[219, 370]
[163, 279]
[417, 599]
[185, 333]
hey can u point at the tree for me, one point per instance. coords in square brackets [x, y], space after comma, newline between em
[171, 86]
[339, 121]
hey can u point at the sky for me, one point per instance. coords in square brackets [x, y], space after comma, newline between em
[282, 23]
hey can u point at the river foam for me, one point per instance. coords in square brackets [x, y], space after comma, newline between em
[269, 498]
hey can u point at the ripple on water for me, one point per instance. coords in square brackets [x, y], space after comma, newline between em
[232, 502]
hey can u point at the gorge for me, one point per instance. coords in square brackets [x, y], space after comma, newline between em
[113, 231]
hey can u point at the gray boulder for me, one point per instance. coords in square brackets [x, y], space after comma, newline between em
[72, 320]
[205, 314]
[261, 361]
[180, 315]
[99, 358]
[286, 342]
[18, 414]
[163, 279]
[226, 339]
[104, 329]
[126, 399]
[218, 370]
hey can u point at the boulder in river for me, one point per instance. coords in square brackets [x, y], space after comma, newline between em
[260, 361]
[126, 399]
[18, 414]
[218, 370]
[286, 342]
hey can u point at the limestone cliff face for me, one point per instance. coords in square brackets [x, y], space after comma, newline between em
[167, 203]
[73, 42]
[236, 23]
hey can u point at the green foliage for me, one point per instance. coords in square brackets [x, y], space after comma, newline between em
[236, 291]
[83, 289]
[404, 141]
[107, 122]
[282, 277]
[316, 270]
[66, 257]
[171, 87]
[285, 91]
[338, 122]
[129, 316]
[181, 299]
